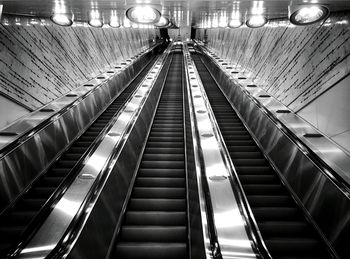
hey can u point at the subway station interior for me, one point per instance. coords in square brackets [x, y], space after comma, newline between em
[186, 129]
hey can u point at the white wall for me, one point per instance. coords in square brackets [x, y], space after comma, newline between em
[10, 111]
[330, 113]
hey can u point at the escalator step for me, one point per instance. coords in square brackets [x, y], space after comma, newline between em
[263, 189]
[151, 250]
[284, 228]
[164, 150]
[250, 162]
[275, 213]
[269, 201]
[291, 246]
[161, 172]
[162, 164]
[155, 218]
[158, 192]
[163, 157]
[160, 182]
[257, 178]
[153, 233]
[158, 204]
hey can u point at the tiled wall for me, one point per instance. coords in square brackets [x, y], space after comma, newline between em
[40, 63]
[295, 64]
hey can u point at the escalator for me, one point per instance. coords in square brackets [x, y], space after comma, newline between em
[283, 226]
[155, 222]
[21, 219]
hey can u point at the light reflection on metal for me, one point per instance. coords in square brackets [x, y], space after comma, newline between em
[143, 14]
[126, 23]
[61, 16]
[114, 19]
[307, 14]
[256, 21]
[236, 18]
[223, 19]
[95, 19]
[235, 24]
[62, 19]
[37, 249]
[230, 226]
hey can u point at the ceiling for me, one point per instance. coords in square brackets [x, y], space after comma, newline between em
[182, 13]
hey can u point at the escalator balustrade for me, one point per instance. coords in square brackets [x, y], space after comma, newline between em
[155, 221]
[285, 230]
[19, 218]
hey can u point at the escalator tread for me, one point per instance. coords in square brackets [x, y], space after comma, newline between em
[155, 224]
[283, 227]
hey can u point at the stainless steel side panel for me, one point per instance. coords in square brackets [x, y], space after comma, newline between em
[20, 166]
[326, 203]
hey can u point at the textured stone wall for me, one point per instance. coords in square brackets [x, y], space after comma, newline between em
[295, 64]
[41, 63]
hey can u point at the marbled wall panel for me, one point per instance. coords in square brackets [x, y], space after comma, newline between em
[40, 63]
[293, 63]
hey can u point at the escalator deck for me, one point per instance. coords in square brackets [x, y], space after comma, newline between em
[155, 221]
[17, 219]
[285, 231]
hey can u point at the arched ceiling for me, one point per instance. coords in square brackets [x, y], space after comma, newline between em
[182, 13]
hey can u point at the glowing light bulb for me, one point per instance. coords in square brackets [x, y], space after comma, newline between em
[309, 14]
[143, 14]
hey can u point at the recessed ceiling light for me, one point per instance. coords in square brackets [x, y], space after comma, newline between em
[62, 19]
[256, 21]
[308, 14]
[235, 23]
[143, 14]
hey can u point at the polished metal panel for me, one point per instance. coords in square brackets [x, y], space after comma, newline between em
[96, 169]
[313, 186]
[230, 224]
[33, 152]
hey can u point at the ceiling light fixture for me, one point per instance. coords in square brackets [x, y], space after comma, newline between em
[143, 14]
[307, 14]
[256, 21]
[62, 19]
